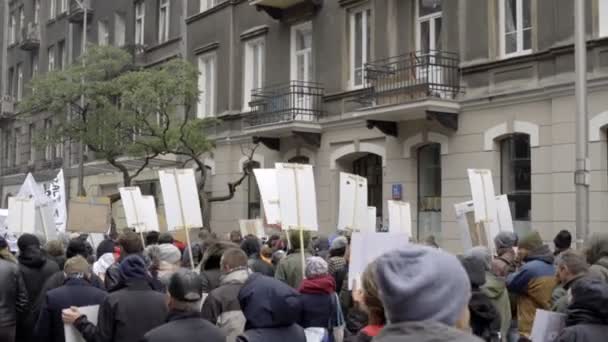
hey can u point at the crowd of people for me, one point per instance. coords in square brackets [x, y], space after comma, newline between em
[247, 289]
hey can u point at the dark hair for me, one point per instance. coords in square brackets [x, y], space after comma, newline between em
[251, 245]
[294, 236]
[130, 243]
[165, 238]
[338, 252]
[235, 236]
[266, 252]
[76, 247]
[563, 240]
[233, 258]
[152, 238]
[371, 296]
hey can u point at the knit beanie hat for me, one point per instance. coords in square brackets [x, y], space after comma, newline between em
[475, 270]
[133, 267]
[27, 240]
[419, 283]
[530, 241]
[505, 240]
[315, 267]
[169, 253]
[338, 243]
[481, 253]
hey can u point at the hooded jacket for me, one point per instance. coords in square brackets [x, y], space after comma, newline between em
[496, 290]
[597, 255]
[318, 302]
[271, 309]
[424, 331]
[210, 264]
[587, 317]
[290, 270]
[534, 284]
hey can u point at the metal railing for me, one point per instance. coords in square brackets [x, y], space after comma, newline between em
[30, 36]
[295, 101]
[413, 76]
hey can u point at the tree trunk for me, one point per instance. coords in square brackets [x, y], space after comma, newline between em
[205, 209]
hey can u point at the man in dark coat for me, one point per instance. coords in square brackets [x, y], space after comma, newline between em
[272, 309]
[127, 314]
[210, 264]
[130, 244]
[35, 268]
[76, 291]
[184, 322]
[587, 319]
[13, 295]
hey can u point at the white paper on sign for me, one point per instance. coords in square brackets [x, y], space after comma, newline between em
[547, 326]
[149, 213]
[269, 191]
[73, 335]
[484, 199]
[45, 222]
[180, 195]
[367, 246]
[21, 215]
[55, 191]
[505, 220]
[252, 227]
[352, 212]
[399, 217]
[371, 212]
[462, 209]
[131, 202]
[297, 196]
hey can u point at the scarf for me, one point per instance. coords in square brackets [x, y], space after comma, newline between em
[324, 284]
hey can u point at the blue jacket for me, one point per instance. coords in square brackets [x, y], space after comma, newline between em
[74, 292]
[272, 309]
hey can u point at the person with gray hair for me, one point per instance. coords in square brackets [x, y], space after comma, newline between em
[505, 261]
[570, 268]
[184, 322]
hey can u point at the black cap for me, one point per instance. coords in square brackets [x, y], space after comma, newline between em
[186, 286]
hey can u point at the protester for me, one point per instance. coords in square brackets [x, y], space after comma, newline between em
[570, 268]
[485, 319]
[76, 291]
[166, 260]
[320, 247]
[290, 269]
[236, 237]
[534, 282]
[35, 269]
[127, 314]
[106, 245]
[152, 238]
[587, 318]
[505, 261]
[252, 247]
[54, 250]
[102, 264]
[369, 299]
[271, 309]
[277, 256]
[13, 294]
[318, 296]
[425, 293]
[562, 242]
[184, 322]
[222, 306]
[198, 248]
[597, 255]
[165, 238]
[210, 264]
[355, 317]
[495, 288]
[337, 263]
[130, 244]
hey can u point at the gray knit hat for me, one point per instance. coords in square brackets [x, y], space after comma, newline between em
[316, 266]
[505, 240]
[419, 283]
[338, 243]
[169, 253]
[482, 254]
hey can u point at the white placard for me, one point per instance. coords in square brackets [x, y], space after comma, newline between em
[73, 335]
[352, 214]
[21, 215]
[399, 217]
[150, 216]
[484, 199]
[462, 209]
[297, 196]
[45, 222]
[505, 220]
[269, 192]
[547, 326]
[180, 195]
[371, 215]
[55, 191]
[252, 227]
[132, 202]
[365, 247]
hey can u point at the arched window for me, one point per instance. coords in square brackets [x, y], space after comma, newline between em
[515, 175]
[370, 167]
[253, 194]
[429, 191]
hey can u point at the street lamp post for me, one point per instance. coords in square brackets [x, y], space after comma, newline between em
[81, 190]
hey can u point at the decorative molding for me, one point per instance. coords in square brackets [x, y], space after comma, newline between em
[491, 134]
[206, 48]
[254, 32]
[366, 147]
[495, 133]
[421, 139]
[350, 3]
[410, 143]
[300, 151]
[530, 129]
[596, 125]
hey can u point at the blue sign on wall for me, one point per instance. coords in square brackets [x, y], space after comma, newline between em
[397, 192]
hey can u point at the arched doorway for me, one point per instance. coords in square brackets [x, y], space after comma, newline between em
[370, 166]
[429, 191]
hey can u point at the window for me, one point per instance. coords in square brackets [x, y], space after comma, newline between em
[370, 167]
[254, 69]
[53, 9]
[22, 25]
[51, 54]
[12, 29]
[429, 191]
[207, 4]
[31, 132]
[301, 52]
[163, 21]
[61, 55]
[254, 209]
[120, 29]
[36, 11]
[64, 6]
[103, 35]
[17, 147]
[48, 149]
[11, 82]
[19, 82]
[360, 45]
[603, 17]
[140, 12]
[515, 27]
[206, 85]
[34, 67]
[515, 174]
[6, 145]
[429, 26]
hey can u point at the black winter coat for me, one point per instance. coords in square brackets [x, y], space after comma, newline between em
[126, 315]
[256, 264]
[13, 294]
[485, 319]
[75, 292]
[185, 326]
[317, 310]
[587, 317]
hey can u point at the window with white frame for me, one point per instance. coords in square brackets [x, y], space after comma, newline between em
[120, 29]
[516, 174]
[64, 6]
[31, 132]
[19, 82]
[206, 85]
[140, 14]
[515, 27]
[254, 69]
[48, 150]
[603, 17]
[103, 34]
[22, 25]
[36, 11]
[12, 29]
[11, 81]
[360, 44]
[61, 55]
[207, 4]
[17, 147]
[51, 55]
[52, 9]
[301, 52]
[163, 21]
[34, 67]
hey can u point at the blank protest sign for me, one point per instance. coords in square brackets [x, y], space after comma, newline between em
[89, 215]
[297, 196]
[352, 212]
[45, 220]
[269, 191]
[180, 196]
[131, 200]
[484, 200]
[371, 215]
[505, 220]
[252, 227]
[21, 215]
[150, 217]
[399, 217]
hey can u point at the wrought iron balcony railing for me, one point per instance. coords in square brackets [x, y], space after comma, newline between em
[410, 77]
[77, 8]
[295, 101]
[30, 37]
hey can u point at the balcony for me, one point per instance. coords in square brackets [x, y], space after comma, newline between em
[280, 9]
[279, 110]
[30, 37]
[411, 86]
[76, 14]
[7, 107]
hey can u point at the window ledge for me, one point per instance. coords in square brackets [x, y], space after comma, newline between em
[206, 48]
[163, 44]
[51, 21]
[254, 32]
[208, 11]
